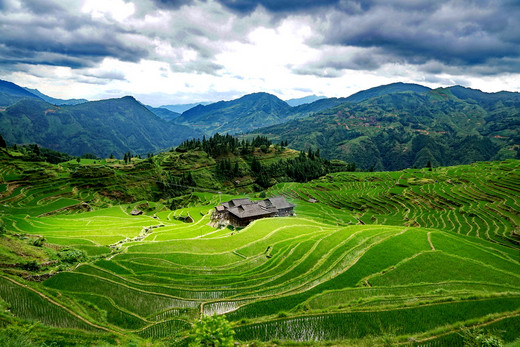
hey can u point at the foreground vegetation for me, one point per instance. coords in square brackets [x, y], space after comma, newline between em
[406, 257]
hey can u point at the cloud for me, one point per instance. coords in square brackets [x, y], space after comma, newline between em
[187, 48]
[44, 33]
[465, 34]
[248, 6]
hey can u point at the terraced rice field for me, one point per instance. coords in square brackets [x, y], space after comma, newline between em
[412, 254]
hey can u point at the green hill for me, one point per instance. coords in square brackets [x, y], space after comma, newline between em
[376, 258]
[395, 131]
[101, 127]
[11, 93]
[246, 113]
[261, 109]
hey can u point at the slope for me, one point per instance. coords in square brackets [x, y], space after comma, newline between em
[101, 127]
[55, 101]
[246, 113]
[406, 129]
[11, 93]
[164, 113]
[317, 278]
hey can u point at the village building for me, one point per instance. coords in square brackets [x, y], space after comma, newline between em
[240, 212]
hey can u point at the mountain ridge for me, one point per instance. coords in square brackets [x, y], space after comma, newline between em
[55, 101]
[400, 130]
[104, 127]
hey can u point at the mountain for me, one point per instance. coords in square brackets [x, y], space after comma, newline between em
[323, 104]
[305, 100]
[11, 93]
[163, 113]
[246, 113]
[391, 88]
[445, 126]
[261, 109]
[55, 101]
[180, 108]
[100, 127]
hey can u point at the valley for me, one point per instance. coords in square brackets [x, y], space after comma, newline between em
[407, 256]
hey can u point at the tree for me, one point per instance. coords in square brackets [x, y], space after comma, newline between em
[212, 331]
[256, 167]
[78, 159]
[2, 142]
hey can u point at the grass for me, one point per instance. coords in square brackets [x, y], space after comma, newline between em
[411, 253]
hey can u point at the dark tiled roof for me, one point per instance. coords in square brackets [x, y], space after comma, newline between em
[251, 210]
[279, 202]
[239, 202]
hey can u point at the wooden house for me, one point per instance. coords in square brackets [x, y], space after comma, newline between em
[240, 212]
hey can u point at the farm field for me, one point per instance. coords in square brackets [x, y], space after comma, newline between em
[408, 256]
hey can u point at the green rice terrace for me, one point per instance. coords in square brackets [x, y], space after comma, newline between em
[407, 257]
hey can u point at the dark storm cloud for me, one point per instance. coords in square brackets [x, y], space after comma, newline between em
[465, 34]
[247, 6]
[47, 34]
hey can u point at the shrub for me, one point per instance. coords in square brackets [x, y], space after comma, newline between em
[212, 331]
[71, 255]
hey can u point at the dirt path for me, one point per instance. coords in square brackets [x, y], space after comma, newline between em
[430, 242]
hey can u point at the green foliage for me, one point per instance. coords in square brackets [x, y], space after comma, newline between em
[237, 116]
[212, 331]
[400, 130]
[16, 335]
[350, 265]
[71, 255]
[39, 241]
[480, 338]
[99, 127]
[219, 145]
[3, 230]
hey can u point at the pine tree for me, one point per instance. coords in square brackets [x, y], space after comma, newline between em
[256, 166]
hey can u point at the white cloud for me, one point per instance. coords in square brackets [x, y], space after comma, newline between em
[204, 51]
[109, 9]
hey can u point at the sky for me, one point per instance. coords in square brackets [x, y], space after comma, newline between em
[184, 51]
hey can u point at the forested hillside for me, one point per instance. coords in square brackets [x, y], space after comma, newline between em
[399, 130]
[113, 126]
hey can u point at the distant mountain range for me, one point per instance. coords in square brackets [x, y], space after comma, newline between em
[164, 113]
[258, 110]
[180, 108]
[101, 127]
[399, 126]
[387, 127]
[305, 100]
[11, 93]
[55, 101]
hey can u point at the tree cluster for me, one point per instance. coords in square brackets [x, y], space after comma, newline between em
[218, 145]
[33, 152]
[226, 170]
[176, 185]
[305, 167]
